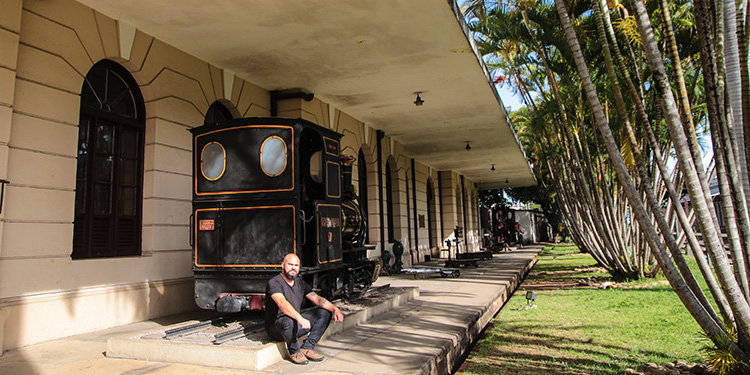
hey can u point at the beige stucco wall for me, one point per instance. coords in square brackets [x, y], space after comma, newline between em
[373, 205]
[421, 174]
[452, 209]
[10, 26]
[46, 49]
[59, 42]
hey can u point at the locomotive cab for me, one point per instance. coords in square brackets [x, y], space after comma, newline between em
[320, 197]
[262, 188]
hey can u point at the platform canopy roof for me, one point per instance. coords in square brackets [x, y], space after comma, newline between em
[368, 58]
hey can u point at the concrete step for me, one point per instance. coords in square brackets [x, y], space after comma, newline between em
[253, 352]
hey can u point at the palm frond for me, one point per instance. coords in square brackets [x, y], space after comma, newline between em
[718, 354]
[627, 152]
[627, 27]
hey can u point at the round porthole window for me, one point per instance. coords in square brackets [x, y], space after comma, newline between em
[213, 161]
[273, 156]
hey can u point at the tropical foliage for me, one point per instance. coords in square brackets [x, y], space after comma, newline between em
[525, 46]
[617, 95]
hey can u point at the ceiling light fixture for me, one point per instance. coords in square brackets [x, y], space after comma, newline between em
[493, 167]
[419, 100]
[468, 146]
[506, 181]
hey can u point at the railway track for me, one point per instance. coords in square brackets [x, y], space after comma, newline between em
[250, 322]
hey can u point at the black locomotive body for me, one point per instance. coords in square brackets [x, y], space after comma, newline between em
[265, 187]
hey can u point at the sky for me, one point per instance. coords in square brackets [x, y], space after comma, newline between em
[510, 100]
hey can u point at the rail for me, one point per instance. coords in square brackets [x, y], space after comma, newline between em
[180, 331]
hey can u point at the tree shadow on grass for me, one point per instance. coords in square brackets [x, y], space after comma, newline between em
[521, 349]
[563, 347]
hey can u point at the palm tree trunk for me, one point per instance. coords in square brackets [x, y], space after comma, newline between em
[712, 82]
[646, 182]
[678, 283]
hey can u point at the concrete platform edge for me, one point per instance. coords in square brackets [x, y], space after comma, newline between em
[450, 354]
[364, 315]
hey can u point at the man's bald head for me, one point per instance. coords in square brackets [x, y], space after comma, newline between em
[290, 266]
[291, 257]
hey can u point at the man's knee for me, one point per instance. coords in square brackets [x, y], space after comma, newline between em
[285, 322]
[285, 327]
[318, 317]
[323, 315]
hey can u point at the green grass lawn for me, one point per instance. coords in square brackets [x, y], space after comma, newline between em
[577, 329]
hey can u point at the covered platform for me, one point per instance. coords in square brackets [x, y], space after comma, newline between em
[426, 334]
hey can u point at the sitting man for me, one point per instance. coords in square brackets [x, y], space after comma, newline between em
[285, 294]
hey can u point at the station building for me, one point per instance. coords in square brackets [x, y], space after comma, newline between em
[97, 97]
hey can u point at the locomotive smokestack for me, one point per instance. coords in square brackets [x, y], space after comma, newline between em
[346, 175]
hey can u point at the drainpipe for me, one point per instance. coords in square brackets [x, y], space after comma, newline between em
[480, 232]
[440, 202]
[463, 206]
[277, 95]
[379, 135]
[408, 212]
[414, 200]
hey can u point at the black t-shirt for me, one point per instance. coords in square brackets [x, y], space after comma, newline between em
[294, 294]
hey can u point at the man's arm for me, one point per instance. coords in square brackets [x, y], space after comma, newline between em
[324, 304]
[289, 311]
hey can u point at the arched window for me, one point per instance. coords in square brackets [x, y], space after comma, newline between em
[217, 112]
[109, 176]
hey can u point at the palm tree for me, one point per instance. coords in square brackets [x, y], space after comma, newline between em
[568, 149]
[698, 310]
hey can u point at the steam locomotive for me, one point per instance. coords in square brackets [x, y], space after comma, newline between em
[266, 187]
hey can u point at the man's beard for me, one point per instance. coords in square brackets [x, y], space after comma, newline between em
[288, 275]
